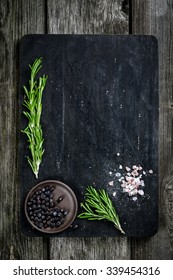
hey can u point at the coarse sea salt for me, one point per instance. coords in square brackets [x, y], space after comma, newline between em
[111, 183]
[132, 181]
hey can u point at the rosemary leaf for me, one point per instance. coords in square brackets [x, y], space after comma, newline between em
[98, 206]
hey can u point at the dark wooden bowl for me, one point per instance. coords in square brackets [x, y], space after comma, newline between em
[69, 203]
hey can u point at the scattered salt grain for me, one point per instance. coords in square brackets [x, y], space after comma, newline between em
[111, 183]
[150, 171]
[144, 172]
[134, 198]
[118, 174]
[142, 183]
[110, 173]
[114, 193]
[141, 192]
[118, 154]
[127, 169]
[120, 167]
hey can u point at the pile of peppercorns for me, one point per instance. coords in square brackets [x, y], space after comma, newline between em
[43, 211]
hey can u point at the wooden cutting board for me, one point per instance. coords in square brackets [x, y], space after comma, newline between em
[100, 115]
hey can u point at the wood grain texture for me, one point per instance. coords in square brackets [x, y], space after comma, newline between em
[87, 17]
[156, 18]
[17, 18]
[90, 248]
[91, 17]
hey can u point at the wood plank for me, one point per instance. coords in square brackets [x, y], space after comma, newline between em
[17, 19]
[98, 248]
[91, 17]
[156, 18]
[87, 17]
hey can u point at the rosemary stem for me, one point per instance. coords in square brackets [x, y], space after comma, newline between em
[33, 103]
[98, 206]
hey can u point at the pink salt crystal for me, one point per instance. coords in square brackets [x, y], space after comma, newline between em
[128, 178]
[127, 169]
[134, 192]
[124, 185]
[150, 171]
[134, 166]
[135, 173]
[137, 180]
[133, 183]
[142, 183]
[130, 193]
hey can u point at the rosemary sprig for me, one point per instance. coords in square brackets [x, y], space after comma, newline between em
[98, 206]
[33, 103]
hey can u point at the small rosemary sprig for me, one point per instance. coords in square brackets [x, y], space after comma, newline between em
[98, 206]
[33, 103]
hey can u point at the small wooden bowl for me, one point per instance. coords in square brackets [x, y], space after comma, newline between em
[69, 203]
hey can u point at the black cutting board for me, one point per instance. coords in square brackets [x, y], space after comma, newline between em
[100, 111]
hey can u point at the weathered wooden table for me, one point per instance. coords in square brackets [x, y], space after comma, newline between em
[20, 17]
